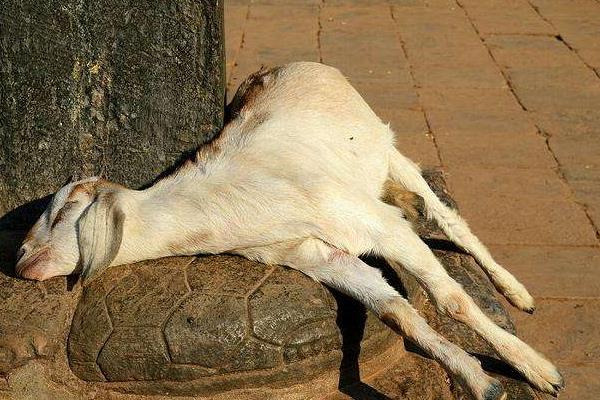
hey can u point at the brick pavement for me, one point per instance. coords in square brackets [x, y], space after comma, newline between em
[504, 96]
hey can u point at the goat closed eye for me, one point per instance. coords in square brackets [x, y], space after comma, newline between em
[60, 215]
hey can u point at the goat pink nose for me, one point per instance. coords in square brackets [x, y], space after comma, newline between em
[34, 266]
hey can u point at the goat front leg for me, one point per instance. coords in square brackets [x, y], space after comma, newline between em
[401, 244]
[348, 274]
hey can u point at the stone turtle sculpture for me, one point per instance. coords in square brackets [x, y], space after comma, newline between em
[215, 322]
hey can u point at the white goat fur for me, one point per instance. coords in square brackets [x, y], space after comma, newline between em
[295, 178]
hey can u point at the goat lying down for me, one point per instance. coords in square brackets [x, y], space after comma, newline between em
[295, 178]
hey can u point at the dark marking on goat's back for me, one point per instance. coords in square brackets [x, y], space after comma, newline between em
[249, 91]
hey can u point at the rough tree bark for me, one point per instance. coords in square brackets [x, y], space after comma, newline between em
[107, 87]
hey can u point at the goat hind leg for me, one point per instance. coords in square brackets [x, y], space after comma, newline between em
[406, 172]
[348, 274]
[400, 244]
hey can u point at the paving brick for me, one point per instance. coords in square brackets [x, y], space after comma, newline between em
[488, 76]
[566, 86]
[451, 55]
[518, 51]
[288, 3]
[380, 94]
[433, 22]
[445, 51]
[346, 15]
[419, 148]
[472, 111]
[359, 61]
[422, 41]
[426, 33]
[490, 149]
[553, 271]
[470, 122]
[267, 29]
[362, 42]
[427, 4]
[574, 339]
[585, 181]
[557, 8]
[516, 206]
[235, 18]
[578, 23]
[573, 137]
[559, 98]
[412, 135]
[582, 149]
[591, 55]
[566, 123]
[356, 2]
[506, 17]
[581, 173]
[276, 19]
[505, 183]
[557, 78]
[582, 380]
[475, 99]
[404, 122]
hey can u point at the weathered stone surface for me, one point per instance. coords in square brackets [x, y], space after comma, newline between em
[288, 304]
[163, 288]
[208, 330]
[104, 88]
[32, 315]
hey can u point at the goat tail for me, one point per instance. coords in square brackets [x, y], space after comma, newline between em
[407, 173]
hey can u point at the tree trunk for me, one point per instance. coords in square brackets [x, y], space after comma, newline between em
[114, 88]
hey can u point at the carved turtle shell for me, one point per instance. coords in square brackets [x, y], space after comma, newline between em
[192, 325]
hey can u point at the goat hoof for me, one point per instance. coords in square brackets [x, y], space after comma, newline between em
[494, 391]
[529, 310]
[560, 385]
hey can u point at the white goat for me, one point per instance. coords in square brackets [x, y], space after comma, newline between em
[295, 178]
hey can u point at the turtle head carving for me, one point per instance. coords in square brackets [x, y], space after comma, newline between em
[80, 230]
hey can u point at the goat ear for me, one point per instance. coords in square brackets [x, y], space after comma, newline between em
[100, 231]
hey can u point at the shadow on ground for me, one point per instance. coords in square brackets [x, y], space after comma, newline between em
[13, 227]
[351, 319]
